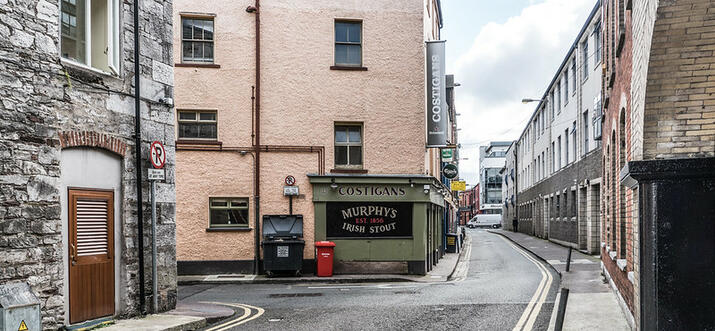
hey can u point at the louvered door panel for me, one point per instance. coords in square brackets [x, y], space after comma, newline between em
[92, 227]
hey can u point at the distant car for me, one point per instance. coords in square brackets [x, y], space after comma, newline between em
[485, 221]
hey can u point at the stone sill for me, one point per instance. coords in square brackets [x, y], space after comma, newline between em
[632, 277]
[612, 255]
[229, 229]
[349, 68]
[621, 264]
[197, 65]
[348, 171]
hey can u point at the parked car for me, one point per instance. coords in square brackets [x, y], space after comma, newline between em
[485, 221]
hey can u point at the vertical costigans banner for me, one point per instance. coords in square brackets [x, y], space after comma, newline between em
[436, 95]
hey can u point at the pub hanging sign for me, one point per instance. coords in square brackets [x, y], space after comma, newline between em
[368, 220]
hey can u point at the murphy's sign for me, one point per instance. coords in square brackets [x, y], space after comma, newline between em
[436, 95]
[368, 220]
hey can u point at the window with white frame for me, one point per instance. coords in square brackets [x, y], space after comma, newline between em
[348, 146]
[597, 43]
[573, 72]
[197, 39]
[228, 212]
[558, 97]
[195, 124]
[566, 85]
[348, 43]
[90, 33]
[584, 56]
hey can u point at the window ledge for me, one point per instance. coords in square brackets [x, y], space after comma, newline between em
[197, 65]
[198, 142]
[76, 66]
[349, 171]
[621, 264]
[229, 229]
[349, 68]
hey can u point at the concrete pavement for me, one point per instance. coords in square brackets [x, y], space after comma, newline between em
[588, 289]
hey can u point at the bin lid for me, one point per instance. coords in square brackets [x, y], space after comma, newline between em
[16, 294]
[286, 226]
[324, 244]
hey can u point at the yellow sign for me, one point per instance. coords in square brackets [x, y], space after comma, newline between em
[23, 326]
[458, 185]
[450, 241]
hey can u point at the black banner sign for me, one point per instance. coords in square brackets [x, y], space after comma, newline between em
[368, 219]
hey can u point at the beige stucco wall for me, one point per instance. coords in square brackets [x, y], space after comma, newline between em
[301, 99]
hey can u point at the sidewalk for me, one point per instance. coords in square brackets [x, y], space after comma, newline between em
[440, 273]
[190, 316]
[591, 305]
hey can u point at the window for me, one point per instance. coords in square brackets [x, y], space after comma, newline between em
[566, 147]
[558, 154]
[566, 86]
[575, 140]
[90, 33]
[584, 56]
[197, 124]
[228, 212]
[597, 42]
[558, 97]
[552, 105]
[348, 44]
[197, 39]
[573, 72]
[348, 146]
[585, 132]
[597, 118]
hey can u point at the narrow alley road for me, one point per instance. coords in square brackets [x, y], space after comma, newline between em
[504, 288]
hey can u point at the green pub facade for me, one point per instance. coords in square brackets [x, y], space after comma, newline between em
[380, 223]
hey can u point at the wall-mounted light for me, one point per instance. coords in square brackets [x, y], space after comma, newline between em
[411, 183]
[426, 188]
[333, 185]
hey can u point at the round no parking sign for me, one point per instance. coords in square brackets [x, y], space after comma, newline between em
[157, 155]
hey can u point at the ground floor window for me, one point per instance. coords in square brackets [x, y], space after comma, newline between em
[231, 212]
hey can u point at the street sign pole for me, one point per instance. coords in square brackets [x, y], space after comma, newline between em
[155, 286]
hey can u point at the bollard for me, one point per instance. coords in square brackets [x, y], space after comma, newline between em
[568, 260]
[562, 309]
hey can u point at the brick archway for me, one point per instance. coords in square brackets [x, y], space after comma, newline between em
[70, 139]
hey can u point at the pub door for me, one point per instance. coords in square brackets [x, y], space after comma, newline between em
[91, 254]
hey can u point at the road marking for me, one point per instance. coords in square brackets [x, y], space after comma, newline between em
[526, 322]
[246, 317]
[381, 286]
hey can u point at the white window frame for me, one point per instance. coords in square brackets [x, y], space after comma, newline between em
[349, 144]
[113, 35]
[206, 17]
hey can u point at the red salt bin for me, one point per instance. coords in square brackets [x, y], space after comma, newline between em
[325, 251]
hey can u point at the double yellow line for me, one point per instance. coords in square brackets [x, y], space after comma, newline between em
[526, 322]
[246, 317]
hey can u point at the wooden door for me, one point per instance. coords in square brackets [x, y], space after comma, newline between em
[91, 254]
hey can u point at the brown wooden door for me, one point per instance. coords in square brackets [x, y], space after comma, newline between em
[91, 254]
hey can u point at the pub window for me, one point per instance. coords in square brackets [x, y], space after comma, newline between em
[90, 33]
[197, 124]
[348, 43]
[228, 212]
[197, 40]
[348, 146]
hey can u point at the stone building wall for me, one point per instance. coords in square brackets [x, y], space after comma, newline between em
[49, 104]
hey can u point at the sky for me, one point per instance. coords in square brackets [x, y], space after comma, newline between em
[502, 51]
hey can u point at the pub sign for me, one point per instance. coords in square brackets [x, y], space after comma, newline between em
[369, 219]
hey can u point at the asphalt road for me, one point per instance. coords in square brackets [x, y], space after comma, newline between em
[503, 289]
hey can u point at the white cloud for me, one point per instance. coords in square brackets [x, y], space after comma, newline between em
[507, 62]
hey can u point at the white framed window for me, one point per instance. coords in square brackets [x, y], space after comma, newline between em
[348, 43]
[228, 212]
[195, 124]
[348, 146]
[89, 31]
[584, 56]
[566, 85]
[197, 39]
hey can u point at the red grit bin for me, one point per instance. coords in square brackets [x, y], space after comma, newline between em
[325, 252]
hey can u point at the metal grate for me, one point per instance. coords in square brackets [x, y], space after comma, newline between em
[92, 229]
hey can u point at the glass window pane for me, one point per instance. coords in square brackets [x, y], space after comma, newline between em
[239, 203]
[187, 115]
[188, 130]
[208, 26]
[186, 28]
[208, 51]
[219, 216]
[207, 131]
[354, 134]
[341, 155]
[197, 51]
[73, 30]
[341, 54]
[354, 56]
[208, 116]
[198, 29]
[238, 217]
[355, 155]
[340, 134]
[354, 32]
[341, 32]
[219, 203]
[187, 51]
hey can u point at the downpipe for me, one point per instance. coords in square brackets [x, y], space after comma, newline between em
[138, 159]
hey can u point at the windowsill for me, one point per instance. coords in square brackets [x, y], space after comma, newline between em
[621, 264]
[197, 65]
[348, 171]
[198, 142]
[349, 68]
[229, 229]
[73, 65]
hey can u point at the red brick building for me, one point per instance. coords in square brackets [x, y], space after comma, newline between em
[468, 204]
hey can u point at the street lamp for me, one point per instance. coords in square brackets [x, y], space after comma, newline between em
[527, 100]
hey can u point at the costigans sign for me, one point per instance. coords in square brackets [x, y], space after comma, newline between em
[369, 220]
[436, 95]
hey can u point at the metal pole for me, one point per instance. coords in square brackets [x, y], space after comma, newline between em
[568, 260]
[138, 159]
[561, 312]
[290, 205]
[155, 286]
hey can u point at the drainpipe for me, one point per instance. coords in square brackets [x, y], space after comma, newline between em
[138, 158]
[257, 142]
